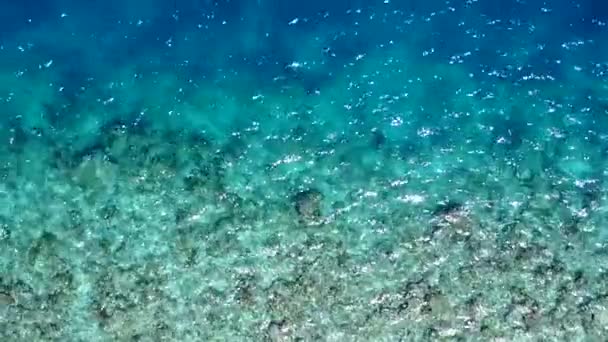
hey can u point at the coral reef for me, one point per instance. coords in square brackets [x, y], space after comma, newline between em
[421, 171]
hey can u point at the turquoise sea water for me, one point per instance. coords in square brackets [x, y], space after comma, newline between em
[199, 170]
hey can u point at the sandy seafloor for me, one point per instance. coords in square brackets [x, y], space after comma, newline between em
[303, 171]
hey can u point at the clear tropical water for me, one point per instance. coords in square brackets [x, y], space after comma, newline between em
[198, 170]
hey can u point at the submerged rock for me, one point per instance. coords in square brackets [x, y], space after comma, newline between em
[43, 247]
[447, 208]
[308, 205]
[5, 232]
[455, 217]
[94, 173]
[277, 331]
[6, 299]
[378, 139]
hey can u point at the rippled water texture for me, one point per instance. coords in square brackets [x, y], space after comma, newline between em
[363, 170]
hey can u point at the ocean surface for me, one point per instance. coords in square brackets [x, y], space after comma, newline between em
[273, 170]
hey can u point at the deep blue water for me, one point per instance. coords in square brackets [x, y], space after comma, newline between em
[303, 171]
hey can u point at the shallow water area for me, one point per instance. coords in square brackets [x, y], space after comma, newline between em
[197, 170]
